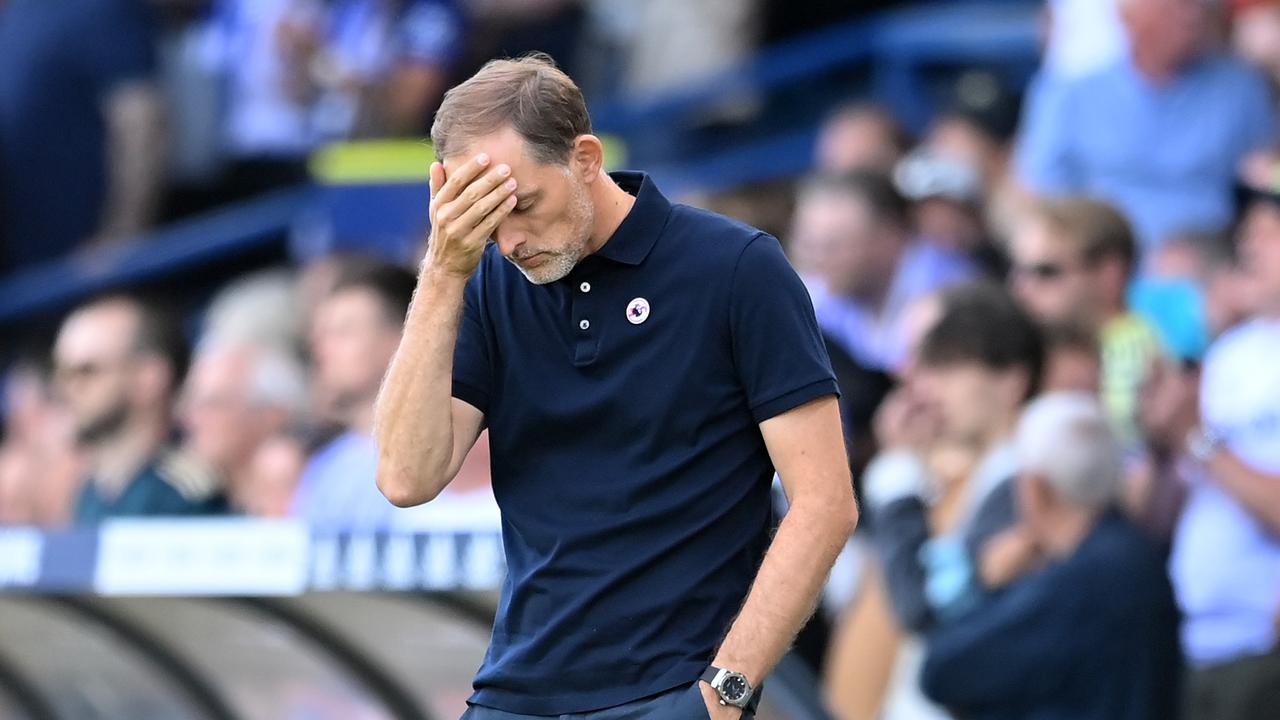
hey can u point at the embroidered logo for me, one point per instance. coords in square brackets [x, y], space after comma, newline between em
[637, 311]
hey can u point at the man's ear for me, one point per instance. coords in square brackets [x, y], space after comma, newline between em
[587, 157]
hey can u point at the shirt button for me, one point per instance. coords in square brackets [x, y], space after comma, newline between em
[584, 324]
[585, 287]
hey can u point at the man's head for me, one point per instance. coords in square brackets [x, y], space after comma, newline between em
[528, 114]
[1070, 463]
[855, 226]
[1072, 359]
[1164, 35]
[978, 363]
[1072, 259]
[1259, 253]
[355, 335]
[860, 136]
[117, 362]
[237, 395]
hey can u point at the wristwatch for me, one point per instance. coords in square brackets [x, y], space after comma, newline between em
[732, 687]
[1203, 443]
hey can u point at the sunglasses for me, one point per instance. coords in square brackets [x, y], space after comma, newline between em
[1044, 272]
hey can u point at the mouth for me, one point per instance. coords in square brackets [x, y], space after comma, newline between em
[532, 261]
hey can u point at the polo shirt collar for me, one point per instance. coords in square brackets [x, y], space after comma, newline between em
[631, 242]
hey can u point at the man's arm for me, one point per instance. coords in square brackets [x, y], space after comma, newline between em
[423, 432]
[136, 145]
[807, 448]
[1259, 492]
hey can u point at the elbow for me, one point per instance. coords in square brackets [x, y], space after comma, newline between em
[404, 489]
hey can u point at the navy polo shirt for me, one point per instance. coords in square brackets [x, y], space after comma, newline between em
[623, 404]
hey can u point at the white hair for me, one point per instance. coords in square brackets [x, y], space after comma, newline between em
[276, 378]
[259, 308]
[1066, 438]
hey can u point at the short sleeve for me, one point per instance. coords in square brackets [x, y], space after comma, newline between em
[472, 370]
[120, 46]
[430, 32]
[778, 350]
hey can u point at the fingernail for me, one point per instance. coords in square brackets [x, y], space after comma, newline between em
[510, 184]
[482, 158]
[504, 170]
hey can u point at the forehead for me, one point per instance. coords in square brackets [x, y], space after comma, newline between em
[505, 145]
[96, 331]
[1036, 237]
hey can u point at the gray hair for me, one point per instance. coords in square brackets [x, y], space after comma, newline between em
[276, 378]
[1066, 438]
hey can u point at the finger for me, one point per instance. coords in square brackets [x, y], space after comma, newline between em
[490, 223]
[485, 205]
[462, 177]
[472, 194]
[437, 178]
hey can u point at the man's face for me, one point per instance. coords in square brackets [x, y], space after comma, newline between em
[851, 251]
[968, 397]
[352, 342]
[95, 369]
[1049, 276]
[1260, 252]
[223, 425]
[546, 235]
[1169, 33]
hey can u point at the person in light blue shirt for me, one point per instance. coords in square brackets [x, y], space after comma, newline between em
[1160, 133]
[355, 334]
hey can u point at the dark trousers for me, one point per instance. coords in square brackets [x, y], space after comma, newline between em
[683, 703]
[1244, 689]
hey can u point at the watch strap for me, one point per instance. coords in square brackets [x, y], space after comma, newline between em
[753, 702]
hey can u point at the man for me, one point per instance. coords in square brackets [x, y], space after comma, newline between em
[118, 363]
[868, 268]
[356, 331]
[643, 368]
[860, 136]
[1226, 553]
[1159, 133]
[239, 395]
[1092, 636]
[1072, 260]
[81, 125]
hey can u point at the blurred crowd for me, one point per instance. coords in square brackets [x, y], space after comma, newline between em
[1055, 321]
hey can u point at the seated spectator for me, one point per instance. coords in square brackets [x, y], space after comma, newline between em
[859, 136]
[273, 475]
[238, 396]
[42, 467]
[356, 332]
[118, 363]
[1160, 133]
[946, 195]
[931, 520]
[1072, 361]
[81, 126]
[1093, 635]
[1072, 260]
[1255, 34]
[1226, 551]
[870, 269]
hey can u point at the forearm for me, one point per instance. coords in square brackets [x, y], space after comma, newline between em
[1258, 492]
[135, 160]
[787, 586]
[413, 418]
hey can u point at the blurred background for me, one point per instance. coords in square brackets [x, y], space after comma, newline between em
[211, 212]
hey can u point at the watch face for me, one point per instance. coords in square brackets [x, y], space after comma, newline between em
[734, 687]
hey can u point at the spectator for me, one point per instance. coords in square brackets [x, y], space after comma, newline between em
[860, 136]
[1072, 259]
[356, 333]
[1159, 134]
[932, 526]
[869, 268]
[273, 474]
[1072, 359]
[1255, 34]
[1092, 636]
[81, 131]
[946, 193]
[42, 468]
[239, 395]
[1226, 559]
[118, 363]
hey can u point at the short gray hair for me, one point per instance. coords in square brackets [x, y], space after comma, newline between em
[1066, 438]
[276, 378]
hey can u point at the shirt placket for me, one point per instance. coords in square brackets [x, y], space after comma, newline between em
[586, 320]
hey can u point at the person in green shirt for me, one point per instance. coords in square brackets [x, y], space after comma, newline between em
[118, 362]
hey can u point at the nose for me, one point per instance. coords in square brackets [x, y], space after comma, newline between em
[508, 238]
